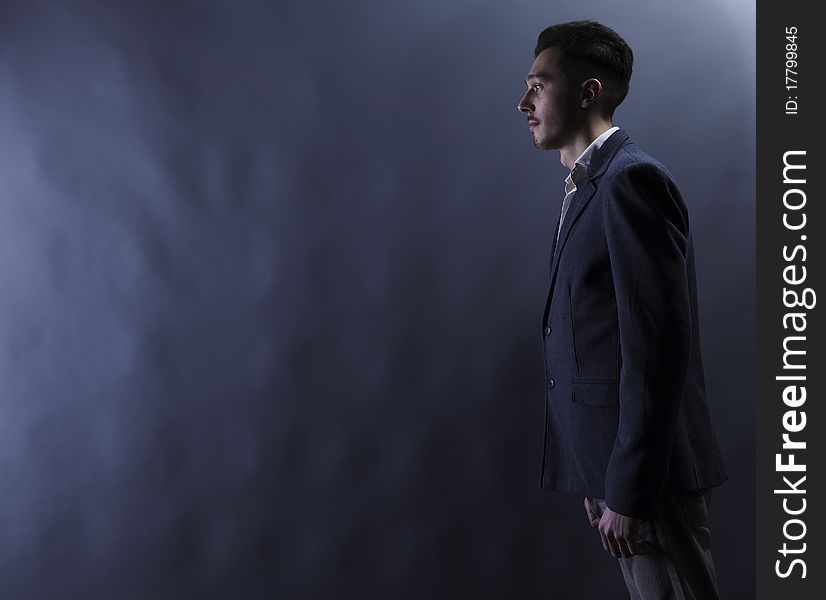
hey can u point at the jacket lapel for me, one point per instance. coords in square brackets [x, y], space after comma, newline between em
[553, 249]
[583, 194]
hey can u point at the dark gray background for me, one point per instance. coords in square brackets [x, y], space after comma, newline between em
[272, 277]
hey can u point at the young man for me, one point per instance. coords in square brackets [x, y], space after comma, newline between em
[626, 420]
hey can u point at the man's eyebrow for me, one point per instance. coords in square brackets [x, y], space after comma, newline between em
[540, 76]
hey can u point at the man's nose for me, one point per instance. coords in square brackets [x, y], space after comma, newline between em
[524, 106]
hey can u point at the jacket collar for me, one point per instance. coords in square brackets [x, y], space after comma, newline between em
[601, 158]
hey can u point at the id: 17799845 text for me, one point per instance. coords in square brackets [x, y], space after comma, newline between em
[791, 70]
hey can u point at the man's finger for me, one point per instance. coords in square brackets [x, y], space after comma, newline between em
[631, 542]
[624, 548]
[604, 540]
[591, 517]
[636, 544]
[613, 547]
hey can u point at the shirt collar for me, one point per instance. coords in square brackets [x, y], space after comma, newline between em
[585, 158]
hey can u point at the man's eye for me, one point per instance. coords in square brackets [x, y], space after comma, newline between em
[536, 86]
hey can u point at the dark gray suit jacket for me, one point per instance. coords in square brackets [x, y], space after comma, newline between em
[625, 410]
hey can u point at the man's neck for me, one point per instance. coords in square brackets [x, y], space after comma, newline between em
[568, 154]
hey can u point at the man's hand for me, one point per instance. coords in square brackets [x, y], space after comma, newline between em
[592, 518]
[620, 534]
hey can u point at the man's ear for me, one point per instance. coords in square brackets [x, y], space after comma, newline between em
[590, 92]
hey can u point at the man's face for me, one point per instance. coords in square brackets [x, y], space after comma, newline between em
[551, 103]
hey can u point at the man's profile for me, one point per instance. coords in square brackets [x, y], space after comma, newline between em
[627, 425]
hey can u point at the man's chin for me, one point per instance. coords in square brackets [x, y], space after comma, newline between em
[545, 144]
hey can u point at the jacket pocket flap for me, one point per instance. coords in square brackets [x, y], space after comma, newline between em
[595, 393]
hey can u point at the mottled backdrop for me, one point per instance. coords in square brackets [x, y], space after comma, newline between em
[271, 285]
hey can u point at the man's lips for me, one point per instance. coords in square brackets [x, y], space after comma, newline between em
[532, 124]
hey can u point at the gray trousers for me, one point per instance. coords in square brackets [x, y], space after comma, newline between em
[678, 565]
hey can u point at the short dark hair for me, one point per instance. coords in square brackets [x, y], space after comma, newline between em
[589, 49]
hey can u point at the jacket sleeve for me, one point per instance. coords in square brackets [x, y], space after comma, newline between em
[646, 227]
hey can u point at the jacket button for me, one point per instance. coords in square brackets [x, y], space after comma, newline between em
[547, 331]
[551, 383]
